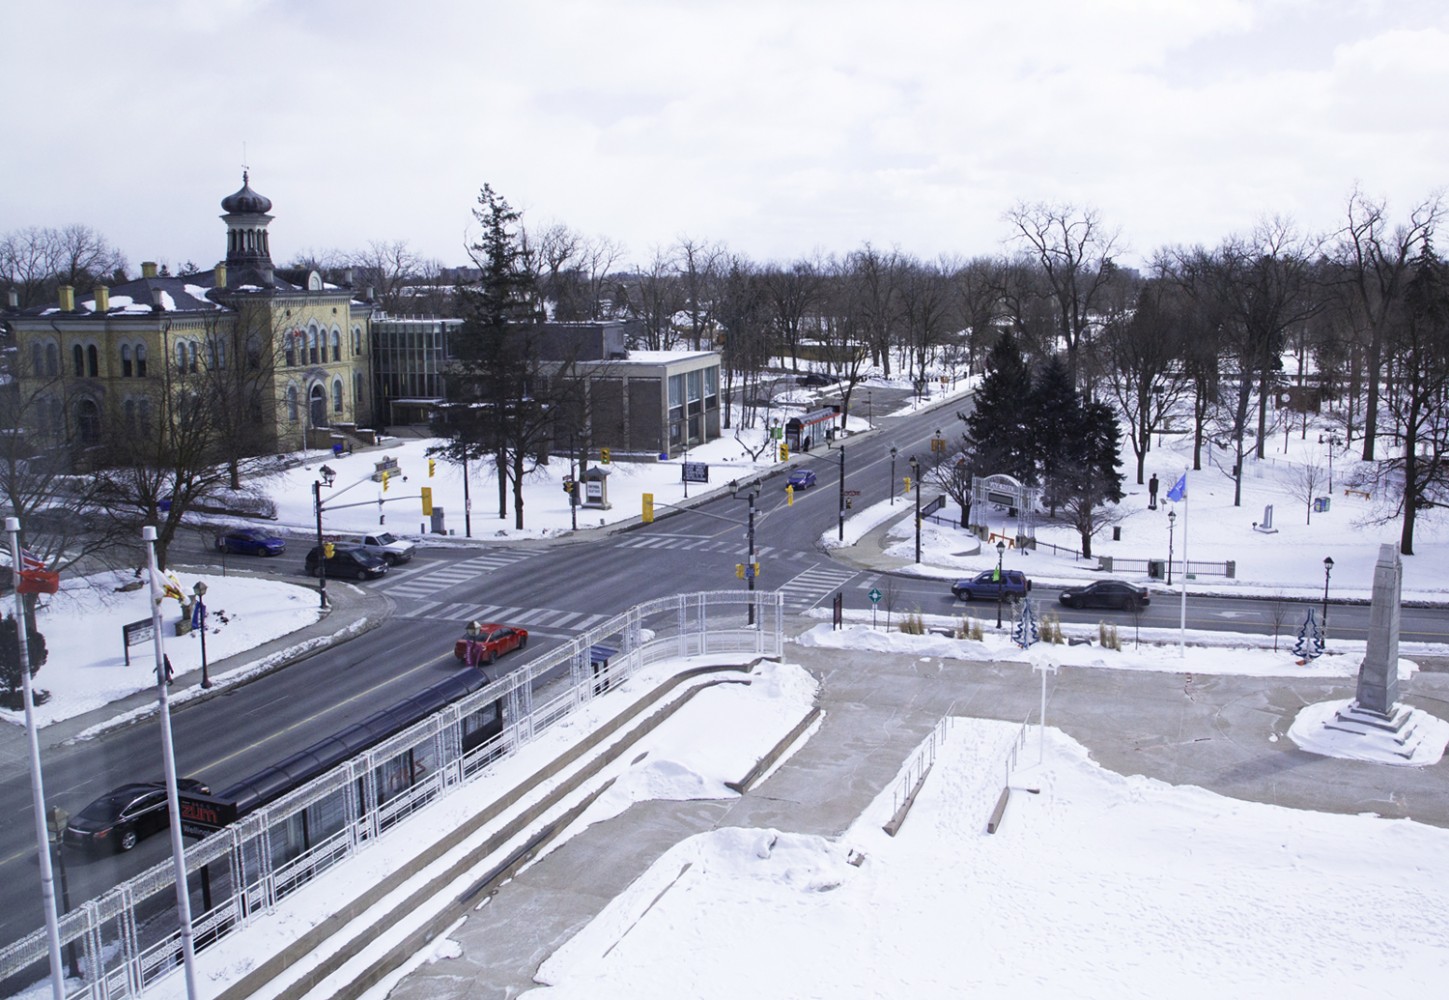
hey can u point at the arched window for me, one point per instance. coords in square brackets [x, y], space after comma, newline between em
[52, 359]
[292, 404]
[37, 358]
[289, 342]
[93, 361]
[336, 395]
[130, 410]
[145, 409]
[254, 352]
[88, 422]
[181, 356]
[140, 360]
[312, 345]
[211, 352]
[336, 344]
[126, 370]
[356, 394]
[317, 406]
[78, 357]
[193, 352]
[356, 341]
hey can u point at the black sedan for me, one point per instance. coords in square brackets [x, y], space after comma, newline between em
[250, 542]
[121, 817]
[1107, 594]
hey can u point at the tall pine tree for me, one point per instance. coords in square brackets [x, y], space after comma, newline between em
[999, 430]
[1056, 421]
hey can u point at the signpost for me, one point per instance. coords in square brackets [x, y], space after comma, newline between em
[136, 633]
[874, 596]
[694, 472]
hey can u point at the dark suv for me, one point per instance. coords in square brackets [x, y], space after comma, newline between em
[357, 563]
[987, 586]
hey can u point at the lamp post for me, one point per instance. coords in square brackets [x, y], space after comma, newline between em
[1171, 523]
[869, 409]
[840, 529]
[1000, 580]
[892, 490]
[328, 478]
[916, 482]
[1327, 572]
[749, 544]
[200, 591]
[56, 819]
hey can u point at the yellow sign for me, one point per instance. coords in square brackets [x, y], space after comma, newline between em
[648, 513]
[427, 493]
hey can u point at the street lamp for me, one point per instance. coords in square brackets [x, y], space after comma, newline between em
[328, 478]
[750, 544]
[1327, 571]
[1000, 579]
[840, 534]
[892, 490]
[1171, 523]
[916, 482]
[200, 591]
[56, 819]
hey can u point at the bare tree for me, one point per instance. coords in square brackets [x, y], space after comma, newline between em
[699, 272]
[388, 268]
[34, 261]
[793, 294]
[1074, 251]
[655, 299]
[1306, 485]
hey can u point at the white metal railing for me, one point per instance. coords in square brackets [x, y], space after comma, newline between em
[128, 938]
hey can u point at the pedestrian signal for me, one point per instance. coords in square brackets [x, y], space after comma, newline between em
[328, 550]
[427, 495]
[647, 515]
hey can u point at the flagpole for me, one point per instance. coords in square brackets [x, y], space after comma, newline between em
[1182, 621]
[37, 789]
[168, 757]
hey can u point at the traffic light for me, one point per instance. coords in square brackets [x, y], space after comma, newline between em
[384, 482]
[740, 570]
[756, 568]
[647, 515]
[432, 467]
[427, 494]
[568, 485]
[784, 452]
[908, 484]
[328, 550]
[789, 496]
[603, 456]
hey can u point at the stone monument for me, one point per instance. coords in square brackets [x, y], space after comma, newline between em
[1375, 711]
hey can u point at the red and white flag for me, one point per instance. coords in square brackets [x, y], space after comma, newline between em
[29, 560]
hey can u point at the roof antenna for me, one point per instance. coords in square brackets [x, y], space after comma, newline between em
[245, 169]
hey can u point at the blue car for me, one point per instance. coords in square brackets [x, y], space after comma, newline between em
[802, 479]
[250, 542]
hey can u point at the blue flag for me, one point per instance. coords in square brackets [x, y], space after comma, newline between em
[1179, 489]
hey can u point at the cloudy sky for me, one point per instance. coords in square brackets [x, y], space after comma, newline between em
[778, 127]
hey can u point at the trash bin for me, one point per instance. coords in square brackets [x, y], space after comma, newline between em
[1156, 568]
[1320, 504]
[337, 449]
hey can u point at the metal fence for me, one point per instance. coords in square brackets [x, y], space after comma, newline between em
[1155, 568]
[129, 938]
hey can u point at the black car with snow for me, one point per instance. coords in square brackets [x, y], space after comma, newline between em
[120, 818]
[1107, 594]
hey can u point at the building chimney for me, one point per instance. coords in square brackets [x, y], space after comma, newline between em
[67, 298]
[14, 298]
[220, 281]
[103, 299]
[148, 269]
[347, 277]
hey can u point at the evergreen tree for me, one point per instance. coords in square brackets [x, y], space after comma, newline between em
[10, 677]
[1056, 425]
[999, 429]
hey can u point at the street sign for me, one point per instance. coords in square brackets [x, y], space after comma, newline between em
[874, 595]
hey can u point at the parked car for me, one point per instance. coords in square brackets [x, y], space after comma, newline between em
[814, 379]
[121, 817]
[802, 479]
[384, 544]
[484, 643]
[987, 586]
[354, 562]
[1107, 594]
[250, 542]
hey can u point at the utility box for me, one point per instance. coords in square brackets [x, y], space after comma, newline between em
[1157, 568]
[438, 527]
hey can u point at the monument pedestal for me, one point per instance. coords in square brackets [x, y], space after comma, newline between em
[1397, 733]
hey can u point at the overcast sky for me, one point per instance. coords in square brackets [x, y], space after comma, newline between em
[779, 127]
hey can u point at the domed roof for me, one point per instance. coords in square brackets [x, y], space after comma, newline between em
[246, 201]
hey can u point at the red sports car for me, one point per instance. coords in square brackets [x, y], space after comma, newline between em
[484, 643]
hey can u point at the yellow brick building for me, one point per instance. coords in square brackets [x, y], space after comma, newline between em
[280, 357]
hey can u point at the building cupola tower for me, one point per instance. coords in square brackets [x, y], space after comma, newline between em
[246, 221]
